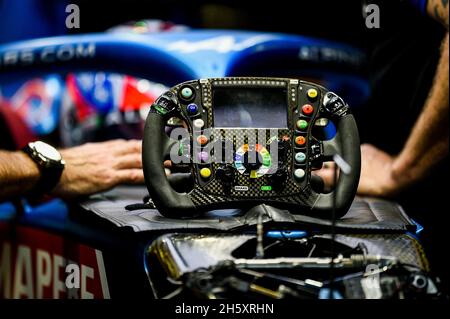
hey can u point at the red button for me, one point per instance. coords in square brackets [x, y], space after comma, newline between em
[300, 140]
[202, 140]
[307, 109]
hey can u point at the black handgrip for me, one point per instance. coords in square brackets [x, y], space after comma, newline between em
[156, 144]
[346, 144]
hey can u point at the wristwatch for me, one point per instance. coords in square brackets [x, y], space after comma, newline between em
[50, 163]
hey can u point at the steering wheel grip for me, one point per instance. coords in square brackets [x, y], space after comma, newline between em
[344, 143]
[169, 202]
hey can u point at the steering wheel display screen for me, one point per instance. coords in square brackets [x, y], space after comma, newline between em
[250, 107]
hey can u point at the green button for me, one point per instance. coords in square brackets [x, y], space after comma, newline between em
[266, 160]
[302, 124]
[186, 93]
[266, 188]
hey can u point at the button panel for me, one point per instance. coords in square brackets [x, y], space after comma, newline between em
[240, 178]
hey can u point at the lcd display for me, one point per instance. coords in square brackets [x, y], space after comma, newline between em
[250, 107]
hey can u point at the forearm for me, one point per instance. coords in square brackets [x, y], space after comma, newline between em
[428, 142]
[438, 10]
[18, 174]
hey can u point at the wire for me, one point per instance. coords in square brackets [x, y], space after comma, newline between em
[174, 293]
[333, 230]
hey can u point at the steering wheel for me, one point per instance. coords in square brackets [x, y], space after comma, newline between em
[278, 175]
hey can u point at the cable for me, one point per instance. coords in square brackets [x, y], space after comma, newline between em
[333, 231]
[173, 294]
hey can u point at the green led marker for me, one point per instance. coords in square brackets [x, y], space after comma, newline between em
[266, 188]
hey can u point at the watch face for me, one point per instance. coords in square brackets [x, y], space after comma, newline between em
[47, 151]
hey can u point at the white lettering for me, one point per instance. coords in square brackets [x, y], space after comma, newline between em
[23, 265]
[58, 285]
[85, 52]
[44, 272]
[86, 272]
[65, 53]
[48, 54]
[10, 58]
[27, 57]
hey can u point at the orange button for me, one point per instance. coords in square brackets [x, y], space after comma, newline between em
[307, 109]
[300, 140]
[202, 140]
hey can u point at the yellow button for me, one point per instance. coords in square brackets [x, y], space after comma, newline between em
[205, 172]
[312, 93]
[253, 174]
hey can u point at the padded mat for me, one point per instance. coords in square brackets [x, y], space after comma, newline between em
[365, 214]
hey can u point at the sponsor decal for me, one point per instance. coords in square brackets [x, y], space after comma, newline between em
[38, 264]
[47, 55]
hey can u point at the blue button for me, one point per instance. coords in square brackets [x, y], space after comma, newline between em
[192, 108]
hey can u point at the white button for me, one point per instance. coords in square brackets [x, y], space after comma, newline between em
[186, 93]
[300, 157]
[299, 174]
[199, 123]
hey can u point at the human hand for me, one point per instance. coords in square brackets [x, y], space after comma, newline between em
[377, 178]
[96, 167]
